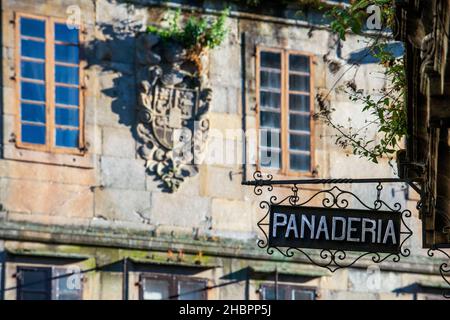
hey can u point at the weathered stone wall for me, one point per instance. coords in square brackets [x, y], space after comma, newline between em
[109, 192]
[115, 190]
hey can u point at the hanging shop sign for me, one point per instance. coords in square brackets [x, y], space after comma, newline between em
[339, 232]
[333, 227]
[338, 229]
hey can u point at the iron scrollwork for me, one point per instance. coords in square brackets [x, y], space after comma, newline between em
[333, 197]
[444, 268]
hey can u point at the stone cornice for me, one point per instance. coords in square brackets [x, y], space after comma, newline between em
[224, 248]
[263, 16]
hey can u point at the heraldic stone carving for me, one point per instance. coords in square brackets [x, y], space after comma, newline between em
[173, 103]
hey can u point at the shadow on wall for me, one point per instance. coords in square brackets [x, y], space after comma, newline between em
[365, 56]
[419, 288]
[132, 70]
[113, 57]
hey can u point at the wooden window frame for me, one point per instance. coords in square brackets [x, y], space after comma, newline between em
[50, 86]
[284, 129]
[172, 279]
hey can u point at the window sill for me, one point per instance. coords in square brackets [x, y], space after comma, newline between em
[11, 152]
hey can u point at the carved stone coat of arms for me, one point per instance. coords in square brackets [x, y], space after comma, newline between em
[173, 103]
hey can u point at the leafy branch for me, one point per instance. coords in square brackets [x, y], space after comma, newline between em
[387, 107]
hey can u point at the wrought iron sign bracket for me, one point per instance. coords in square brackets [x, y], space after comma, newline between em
[259, 182]
[413, 183]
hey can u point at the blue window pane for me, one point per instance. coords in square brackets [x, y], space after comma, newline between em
[271, 60]
[299, 122]
[299, 63]
[33, 112]
[67, 75]
[270, 119]
[33, 134]
[300, 142]
[68, 96]
[32, 91]
[32, 70]
[67, 138]
[33, 49]
[270, 79]
[299, 83]
[66, 33]
[68, 54]
[300, 162]
[298, 102]
[270, 99]
[67, 117]
[32, 28]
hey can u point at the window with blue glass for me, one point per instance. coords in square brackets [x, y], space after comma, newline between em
[33, 99]
[284, 104]
[49, 81]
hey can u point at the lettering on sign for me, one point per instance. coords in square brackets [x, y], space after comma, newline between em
[338, 229]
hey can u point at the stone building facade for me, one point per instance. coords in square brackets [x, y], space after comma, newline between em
[77, 197]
